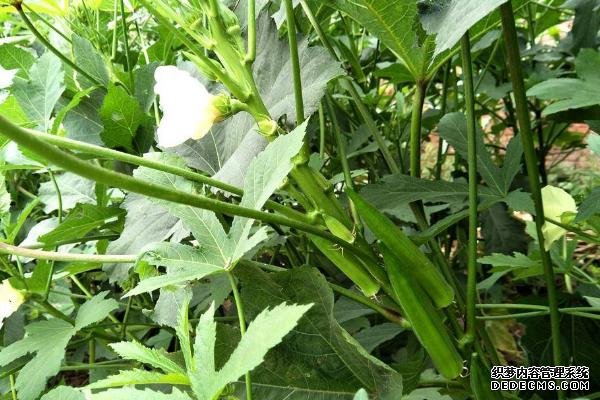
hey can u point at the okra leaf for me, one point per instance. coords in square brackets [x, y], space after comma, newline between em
[38, 95]
[572, 93]
[121, 116]
[394, 192]
[48, 340]
[318, 335]
[267, 172]
[453, 128]
[392, 22]
[81, 220]
[184, 263]
[264, 332]
[73, 190]
[87, 58]
[449, 20]
[158, 358]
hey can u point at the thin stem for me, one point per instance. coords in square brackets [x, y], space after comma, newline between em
[53, 49]
[122, 181]
[371, 126]
[293, 41]
[443, 107]
[113, 54]
[341, 150]
[472, 175]
[415, 129]
[57, 256]
[514, 65]
[126, 42]
[251, 51]
[390, 315]
[321, 132]
[510, 316]
[317, 27]
[242, 321]
[47, 23]
[512, 306]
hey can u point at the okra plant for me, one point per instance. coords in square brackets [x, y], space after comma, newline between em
[298, 199]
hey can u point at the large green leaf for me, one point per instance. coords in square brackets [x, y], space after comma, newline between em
[38, 95]
[73, 190]
[80, 221]
[184, 263]
[393, 22]
[449, 20]
[266, 173]
[319, 359]
[13, 57]
[453, 128]
[49, 339]
[264, 332]
[590, 206]
[88, 59]
[121, 115]
[572, 93]
[155, 357]
[394, 192]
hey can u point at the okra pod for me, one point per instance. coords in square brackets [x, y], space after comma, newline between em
[349, 265]
[425, 320]
[429, 277]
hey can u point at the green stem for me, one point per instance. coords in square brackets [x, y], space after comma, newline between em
[56, 256]
[159, 166]
[415, 129]
[47, 23]
[126, 42]
[443, 107]
[472, 176]
[321, 132]
[510, 316]
[53, 49]
[341, 149]
[371, 126]
[514, 65]
[122, 181]
[242, 322]
[293, 41]
[251, 51]
[390, 315]
[113, 53]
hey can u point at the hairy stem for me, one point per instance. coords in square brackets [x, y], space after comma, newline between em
[531, 162]
[472, 176]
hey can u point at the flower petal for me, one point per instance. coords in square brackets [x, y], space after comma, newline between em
[10, 300]
[188, 110]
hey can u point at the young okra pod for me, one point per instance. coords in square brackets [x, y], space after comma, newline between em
[429, 277]
[425, 320]
[349, 265]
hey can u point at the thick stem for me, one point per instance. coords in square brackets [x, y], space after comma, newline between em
[293, 41]
[531, 162]
[122, 181]
[111, 154]
[472, 175]
[415, 129]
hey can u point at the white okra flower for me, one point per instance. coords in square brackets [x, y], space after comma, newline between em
[189, 110]
[10, 300]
